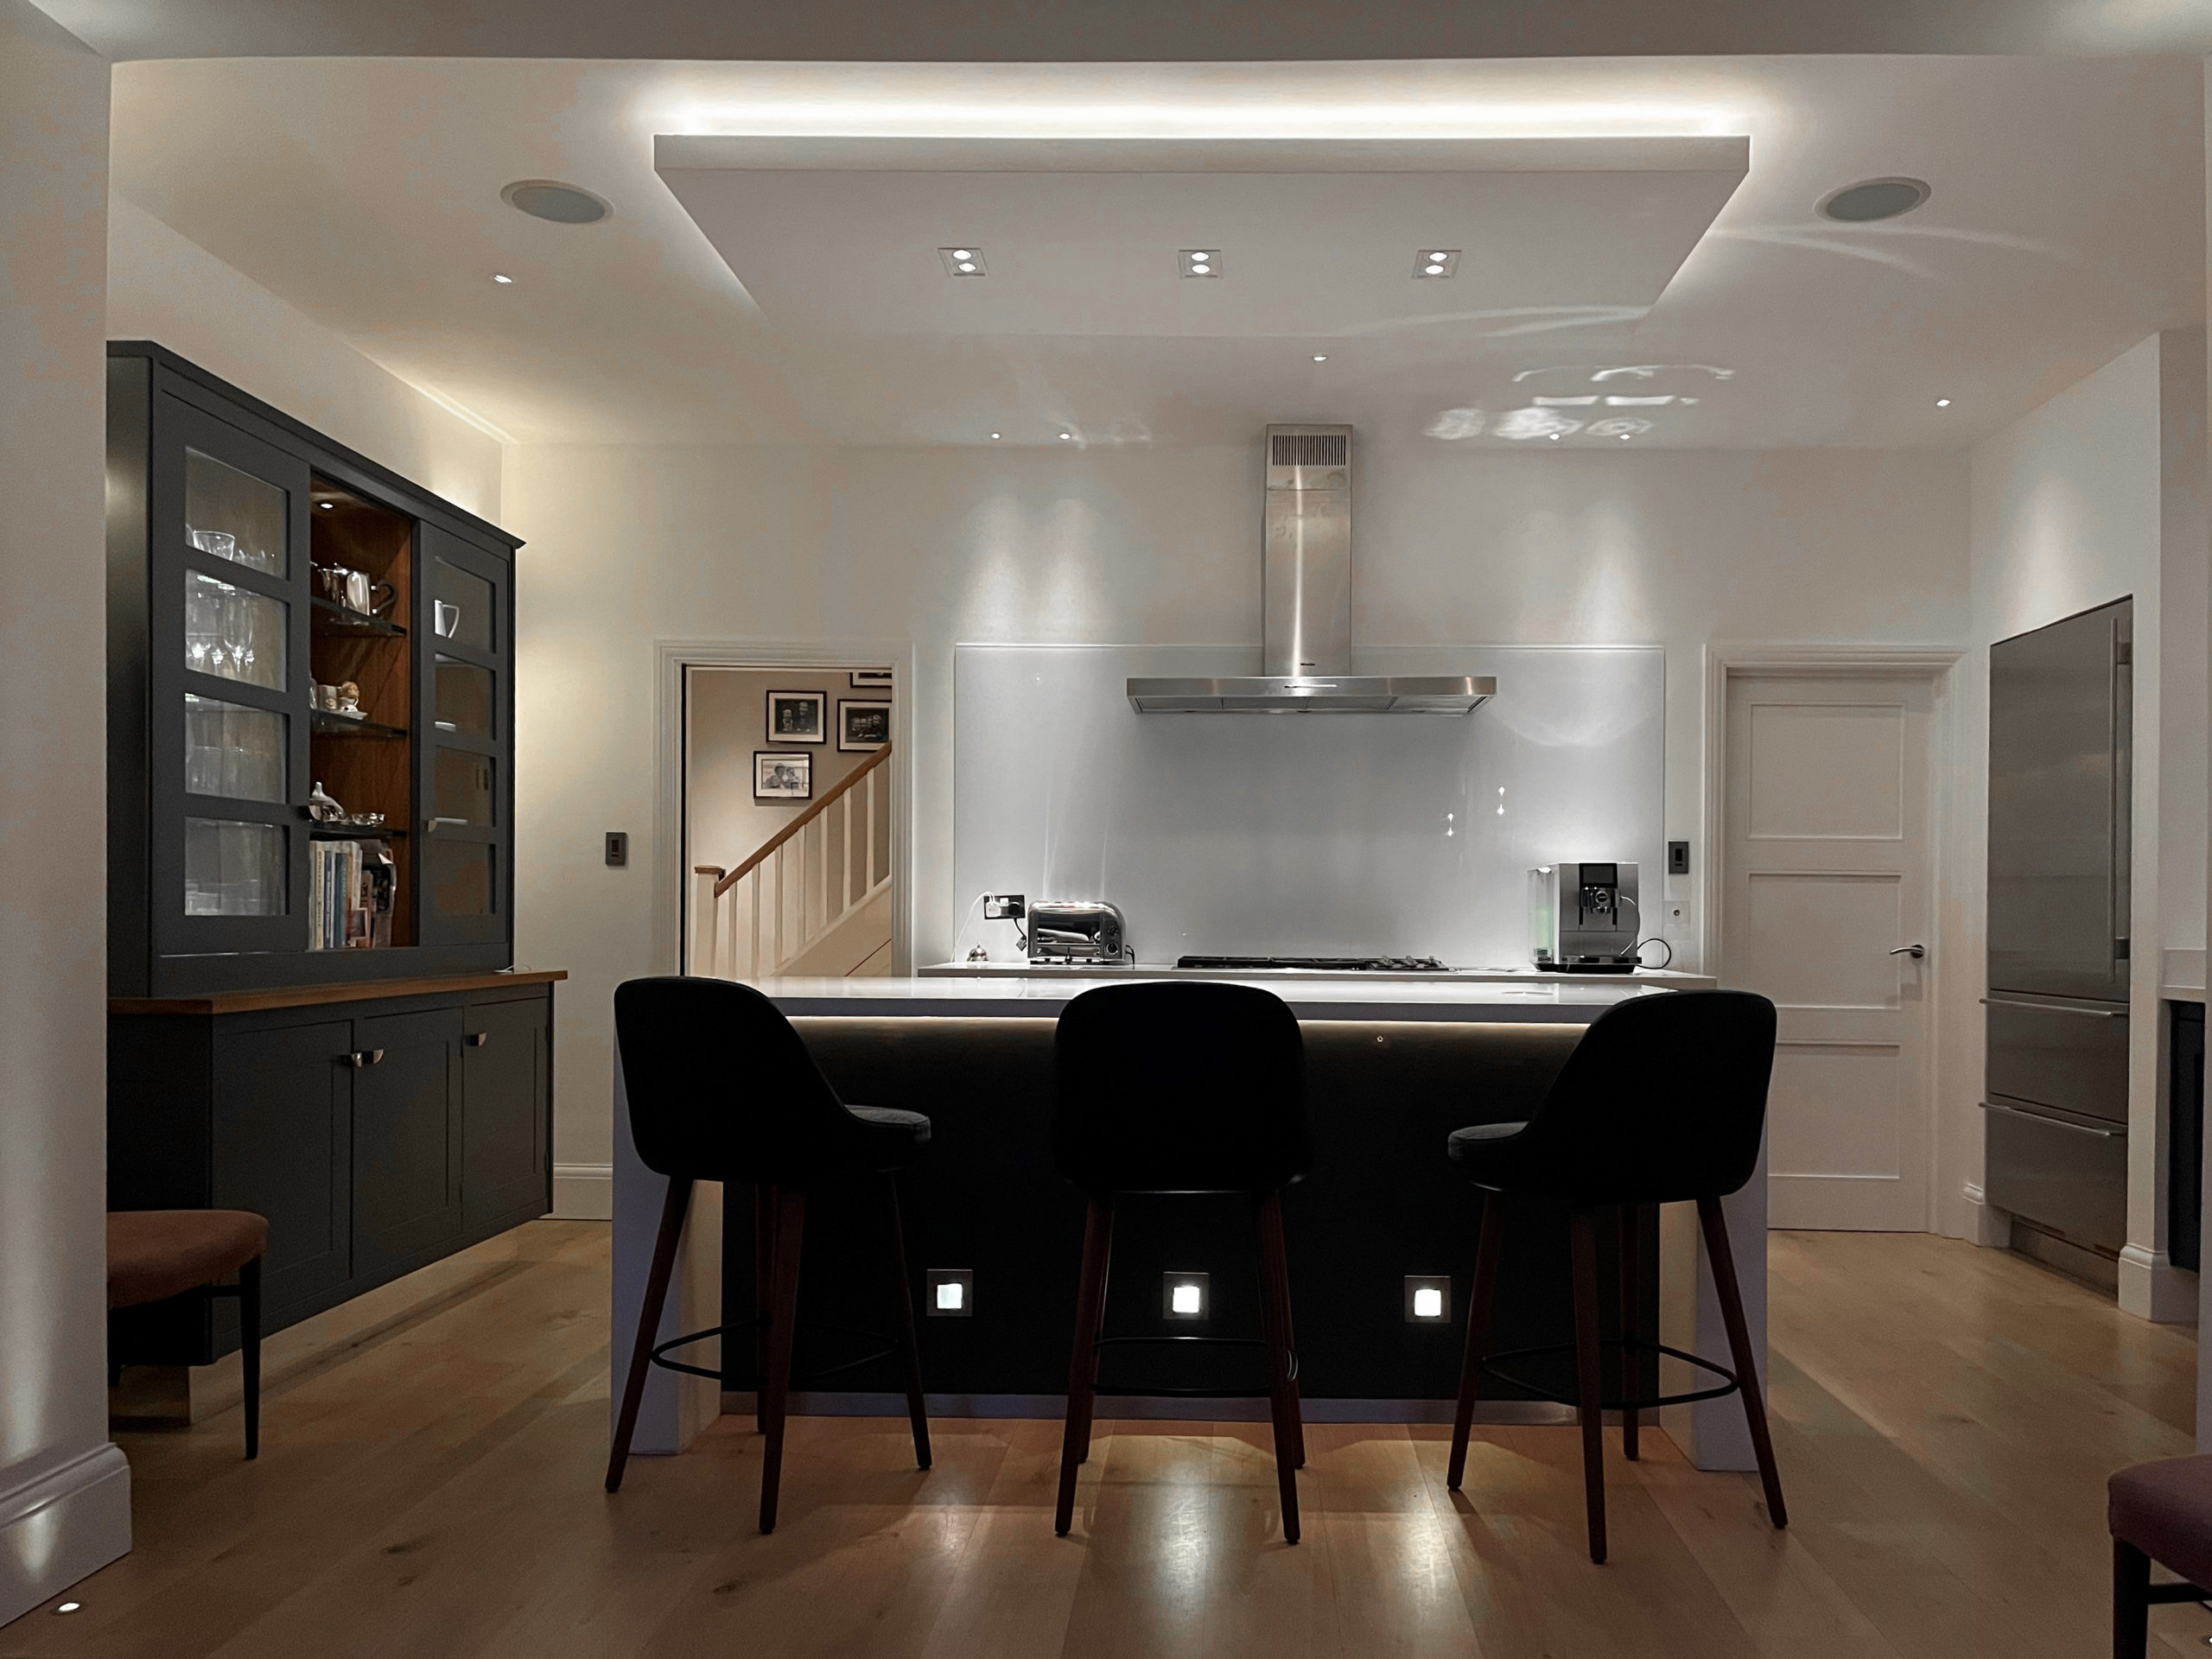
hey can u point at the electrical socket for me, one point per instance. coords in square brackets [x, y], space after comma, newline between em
[1005, 907]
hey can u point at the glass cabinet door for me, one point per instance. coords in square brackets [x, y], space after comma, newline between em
[227, 520]
[466, 789]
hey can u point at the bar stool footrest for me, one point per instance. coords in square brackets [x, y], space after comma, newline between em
[1730, 1384]
[891, 1345]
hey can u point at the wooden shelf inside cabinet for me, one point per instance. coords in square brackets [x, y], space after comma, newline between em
[329, 617]
[323, 723]
[354, 832]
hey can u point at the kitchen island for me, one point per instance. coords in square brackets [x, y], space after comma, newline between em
[1395, 1065]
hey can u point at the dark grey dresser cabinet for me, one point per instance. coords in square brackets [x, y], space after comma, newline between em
[379, 1127]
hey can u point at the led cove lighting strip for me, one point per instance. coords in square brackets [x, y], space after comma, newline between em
[920, 115]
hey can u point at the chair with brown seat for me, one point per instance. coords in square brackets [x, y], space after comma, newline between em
[2159, 1512]
[152, 1254]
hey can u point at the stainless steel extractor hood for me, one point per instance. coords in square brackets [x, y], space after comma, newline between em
[1306, 660]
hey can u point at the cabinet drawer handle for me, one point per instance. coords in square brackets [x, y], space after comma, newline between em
[477, 1038]
[361, 1057]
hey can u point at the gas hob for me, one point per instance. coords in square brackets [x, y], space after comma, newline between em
[1315, 964]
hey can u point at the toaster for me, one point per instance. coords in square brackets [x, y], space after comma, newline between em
[1076, 929]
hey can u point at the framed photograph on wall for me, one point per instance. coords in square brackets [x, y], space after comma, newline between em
[798, 716]
[863, 726]
[779, 775]
[870, 680]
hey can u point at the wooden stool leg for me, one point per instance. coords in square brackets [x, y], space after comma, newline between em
[1274, 1322]
[1585, 1227]
[1630, 1223]
[909, 1343]
[764, 1295]
[250, 1352]
[1478, 1311]
[1282, 1271]
[641, 1353]
[783, 1335]
[1739, 1345]
[1083, 1364]
[2130, 1601]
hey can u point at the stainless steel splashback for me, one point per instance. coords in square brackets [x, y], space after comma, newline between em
[1306, 625]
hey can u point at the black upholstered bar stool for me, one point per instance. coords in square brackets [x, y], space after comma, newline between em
[1663, 1101]
[1182, 1087]
[723, 1089]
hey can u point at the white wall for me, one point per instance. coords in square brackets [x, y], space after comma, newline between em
[2095, 496]
[65, 1490]
[170, 290]
[940, 546]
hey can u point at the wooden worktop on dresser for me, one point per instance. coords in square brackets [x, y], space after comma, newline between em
[302, 997]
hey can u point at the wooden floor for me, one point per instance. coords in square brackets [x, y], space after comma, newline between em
[1945, 1418]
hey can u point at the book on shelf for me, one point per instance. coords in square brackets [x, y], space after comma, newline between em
[350, 889]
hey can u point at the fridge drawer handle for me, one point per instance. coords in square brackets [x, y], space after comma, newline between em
[2053, 1008]
[477, 1038]
[431, 827]
[2055, 1122]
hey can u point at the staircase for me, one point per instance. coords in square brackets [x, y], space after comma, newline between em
[813, 901]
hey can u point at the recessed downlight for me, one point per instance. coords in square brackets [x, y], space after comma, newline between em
[1067, 438]
[1320, 357]
[557, 203]
[994, 437]
[503, 279]
[963, 262]
[1872, 199]
[1942, 402]
[1437, 263]
[1198, 261]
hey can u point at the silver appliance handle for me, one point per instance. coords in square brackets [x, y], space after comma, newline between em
[431, 827]
[2055, 1122]
[2052, 1008]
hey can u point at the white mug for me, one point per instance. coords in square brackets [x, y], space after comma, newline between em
[445, 618]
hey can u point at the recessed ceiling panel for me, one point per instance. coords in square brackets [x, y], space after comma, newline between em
[1084, 251]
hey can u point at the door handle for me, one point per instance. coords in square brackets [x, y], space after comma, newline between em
[2052, 1008]
[361, 1057]
[477, 1038]
[1916, 951]
[2055, 1122]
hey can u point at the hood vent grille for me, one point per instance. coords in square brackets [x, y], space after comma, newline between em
[1309, 449]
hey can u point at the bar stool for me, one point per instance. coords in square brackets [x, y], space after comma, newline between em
[723, 1089]
[2160, 1512]
[1182, 1087]
[152, 1254]
[1663, 1101]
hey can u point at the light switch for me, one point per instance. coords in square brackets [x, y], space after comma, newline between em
[618, 849]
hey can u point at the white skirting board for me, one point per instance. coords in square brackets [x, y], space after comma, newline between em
[62, 1524]
[584, 1191]
[2152, 1288]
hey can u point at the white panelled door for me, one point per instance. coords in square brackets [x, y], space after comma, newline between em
[1826, 889]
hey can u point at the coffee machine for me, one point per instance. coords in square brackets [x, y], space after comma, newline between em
[1583, 918]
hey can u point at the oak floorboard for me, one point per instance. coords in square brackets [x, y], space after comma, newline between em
[1945, 1418]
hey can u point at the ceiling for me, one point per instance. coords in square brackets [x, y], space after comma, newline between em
[777, 278]
[1128, 30]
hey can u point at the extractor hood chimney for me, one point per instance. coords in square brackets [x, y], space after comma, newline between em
[1306, 657]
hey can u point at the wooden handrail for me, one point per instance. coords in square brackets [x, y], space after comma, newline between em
[715, 870]
[802, 821]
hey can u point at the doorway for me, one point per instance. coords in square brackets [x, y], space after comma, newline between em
[1825, 892]
[788, 821]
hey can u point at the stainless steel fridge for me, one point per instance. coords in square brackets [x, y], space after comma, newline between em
[2061, 722]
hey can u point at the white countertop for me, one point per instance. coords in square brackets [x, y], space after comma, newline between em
[1463, 998]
